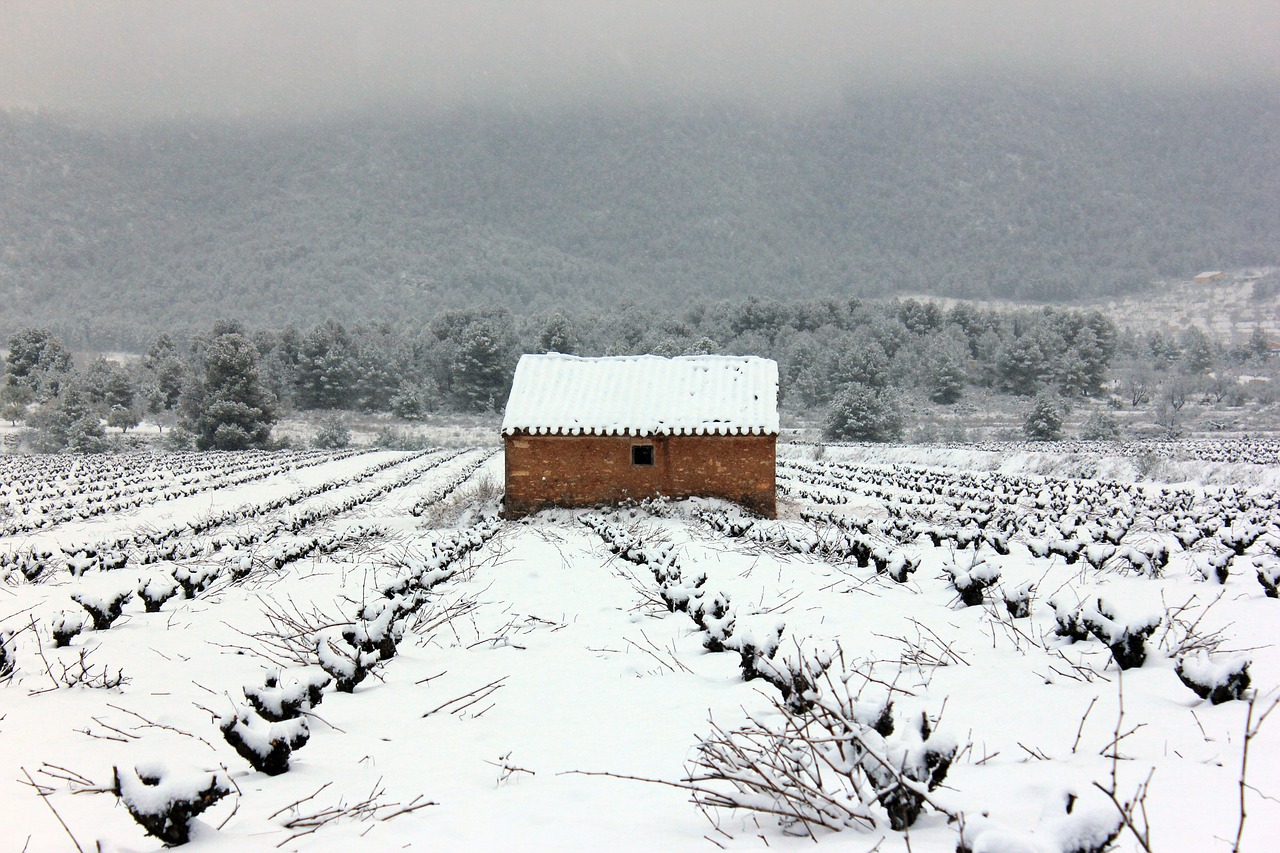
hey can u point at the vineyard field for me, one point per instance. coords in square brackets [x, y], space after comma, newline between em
[929, 650]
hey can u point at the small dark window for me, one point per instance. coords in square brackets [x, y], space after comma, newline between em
[642, 454]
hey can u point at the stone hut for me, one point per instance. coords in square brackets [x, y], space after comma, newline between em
[587, 431]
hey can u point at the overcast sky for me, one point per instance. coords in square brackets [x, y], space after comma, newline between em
[231, 57]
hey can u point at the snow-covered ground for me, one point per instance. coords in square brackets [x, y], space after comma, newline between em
[538, 668]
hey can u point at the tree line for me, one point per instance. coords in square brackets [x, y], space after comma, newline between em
[852, 359]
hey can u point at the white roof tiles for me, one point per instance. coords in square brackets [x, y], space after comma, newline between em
[643, 395]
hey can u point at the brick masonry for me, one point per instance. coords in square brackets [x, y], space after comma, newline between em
[583, 470]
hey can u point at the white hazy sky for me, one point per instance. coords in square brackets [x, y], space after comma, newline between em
[287, 57]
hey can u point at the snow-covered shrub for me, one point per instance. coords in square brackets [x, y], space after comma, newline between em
[1100, 426]
[264, 744]
[1216, 680]
[284, 697]
[1127, 638]
[196, 579]
[164, 803]
[1097, 553]
[343, 661]
[8, 662]
[333, 434]
[920, 756]
[1018, 600]
[795, 674]
[711, 613]
[677, 592]
[971, 583]
[827, 765]
[80, 562]
[756, 644]
[103, 609]
[894, 563]
[1069, 625]
[65, 627]
[1210, 566]
[1268, 568]
[156, 590]
[1079, 829]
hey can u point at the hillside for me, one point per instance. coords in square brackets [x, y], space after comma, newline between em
[990, 190]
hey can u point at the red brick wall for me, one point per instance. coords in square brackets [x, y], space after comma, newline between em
[575, 471]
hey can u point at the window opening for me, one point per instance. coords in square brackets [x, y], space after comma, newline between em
[642, 454]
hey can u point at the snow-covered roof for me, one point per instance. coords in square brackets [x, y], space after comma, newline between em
[643, 395]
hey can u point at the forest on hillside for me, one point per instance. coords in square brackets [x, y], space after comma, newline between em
[990, 189]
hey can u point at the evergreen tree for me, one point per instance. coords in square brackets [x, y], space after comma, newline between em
[1197, 351]
[558, 335]
[229, 409]
[1044, 419]
[69, 424]
[38, 360]
[327, 368]
[333, 434]
[1100, 426]
[166, 371]
[860, 413]
[481, 368]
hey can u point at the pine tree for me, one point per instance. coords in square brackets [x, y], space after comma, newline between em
[859, 413]
[327, 368]
[481, 368]
[38, 360]
[229, 409]
[1044, 419]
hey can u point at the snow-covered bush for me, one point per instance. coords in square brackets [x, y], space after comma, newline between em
[919, 756]
[333, 434]
[284, 697]
[1018, 600]
[1079, 829]
[156, 590]
[347, 664]
[164, 802]
[829, 765]
[1268, 573]
[8, 662]
[65, 627]
[971, 582]
[1216, 680]
[756, 644]
[196, 579]
[1127, 637]
[264, 744]
[104, 609]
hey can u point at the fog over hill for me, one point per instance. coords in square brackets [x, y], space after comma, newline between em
[160, 166]
[980, 191]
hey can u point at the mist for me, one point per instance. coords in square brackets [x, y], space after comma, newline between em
[142, 60]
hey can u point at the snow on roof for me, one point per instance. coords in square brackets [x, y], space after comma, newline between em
[643, 395]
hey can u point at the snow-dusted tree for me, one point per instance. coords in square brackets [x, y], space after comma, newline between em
[859, 413]
[166, 371]
[69, 423]
[123, 418]
[557, 335]
[38, 360]
[327, 368]
[481, 367]
[1044, 419]
[1100, 426]
[229, 409]
[333, 434]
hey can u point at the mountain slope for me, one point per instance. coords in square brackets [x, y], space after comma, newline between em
[991, 190]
